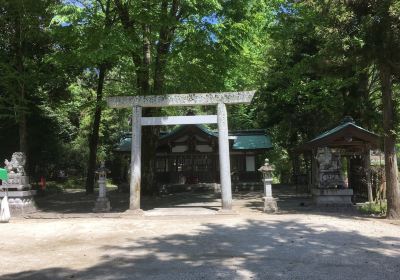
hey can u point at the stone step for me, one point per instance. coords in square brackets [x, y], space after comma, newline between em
[180, 211]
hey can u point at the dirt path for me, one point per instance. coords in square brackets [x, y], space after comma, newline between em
[246, 246]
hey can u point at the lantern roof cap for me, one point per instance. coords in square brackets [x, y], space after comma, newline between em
[102, 168]
[266, 167]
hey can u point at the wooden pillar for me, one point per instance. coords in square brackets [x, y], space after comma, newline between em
[214, 168]
[308, 170]
[367, 170]
[315, 168]
[224, 162]
[349, 174]
[134, 198]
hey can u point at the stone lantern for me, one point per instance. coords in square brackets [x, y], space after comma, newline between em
[270, 205]
[102, 203]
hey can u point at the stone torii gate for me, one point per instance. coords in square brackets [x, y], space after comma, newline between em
[193, 99]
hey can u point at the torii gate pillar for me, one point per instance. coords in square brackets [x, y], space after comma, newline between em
[224, 161]
[219, 99]
[136, 154]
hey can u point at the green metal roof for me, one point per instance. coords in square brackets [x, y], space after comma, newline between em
[252, 142]
[347, 128]
[124, 144]
[348, 121]
[243, 140]
[200, 126]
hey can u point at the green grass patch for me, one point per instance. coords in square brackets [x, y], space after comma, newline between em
[379, 208]
[52, 187]
[60, 186]
[73, 183]
[110, 185]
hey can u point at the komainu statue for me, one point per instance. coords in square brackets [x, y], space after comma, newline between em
[16, 164]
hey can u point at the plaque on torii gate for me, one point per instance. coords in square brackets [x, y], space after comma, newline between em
[192, 99]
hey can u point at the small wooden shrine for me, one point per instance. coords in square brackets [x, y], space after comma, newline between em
[339, 159]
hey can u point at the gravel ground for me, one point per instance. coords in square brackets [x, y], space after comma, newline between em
[250, 245]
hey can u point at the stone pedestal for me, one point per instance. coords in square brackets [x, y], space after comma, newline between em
[17, 187]
[270, 205]
[102, 203]
[332, 197]
[20, 195]
[16, 182]
[20, 202]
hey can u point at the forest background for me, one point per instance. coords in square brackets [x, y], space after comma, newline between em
[311, 62]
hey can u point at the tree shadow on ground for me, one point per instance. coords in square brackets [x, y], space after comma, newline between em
[250, 250]
[72, 202]
[78, 201]
[289, 202]
[303, 205]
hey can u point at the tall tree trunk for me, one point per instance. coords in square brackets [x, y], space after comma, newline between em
[23, 134]
[145, 66]
[150, 141]
[150, 134]
[162, 50]
[143, 69]
[392, 188]
[166, 34]
[94, 135]
[19, 64]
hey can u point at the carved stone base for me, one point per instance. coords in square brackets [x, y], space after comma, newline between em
[332, 197]
[270, 205]
[16, 182]
[102, 205]
[20, 202]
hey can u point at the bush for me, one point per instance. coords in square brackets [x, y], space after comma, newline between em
[73, 183]
[52, 187]
[379, 208]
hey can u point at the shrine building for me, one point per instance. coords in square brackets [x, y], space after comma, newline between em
[188, 154]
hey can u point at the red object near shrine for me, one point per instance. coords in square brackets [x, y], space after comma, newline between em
[42, 183]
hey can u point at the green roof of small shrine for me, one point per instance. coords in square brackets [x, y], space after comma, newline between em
[346, 129]
[345, 123]
[242, 140]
